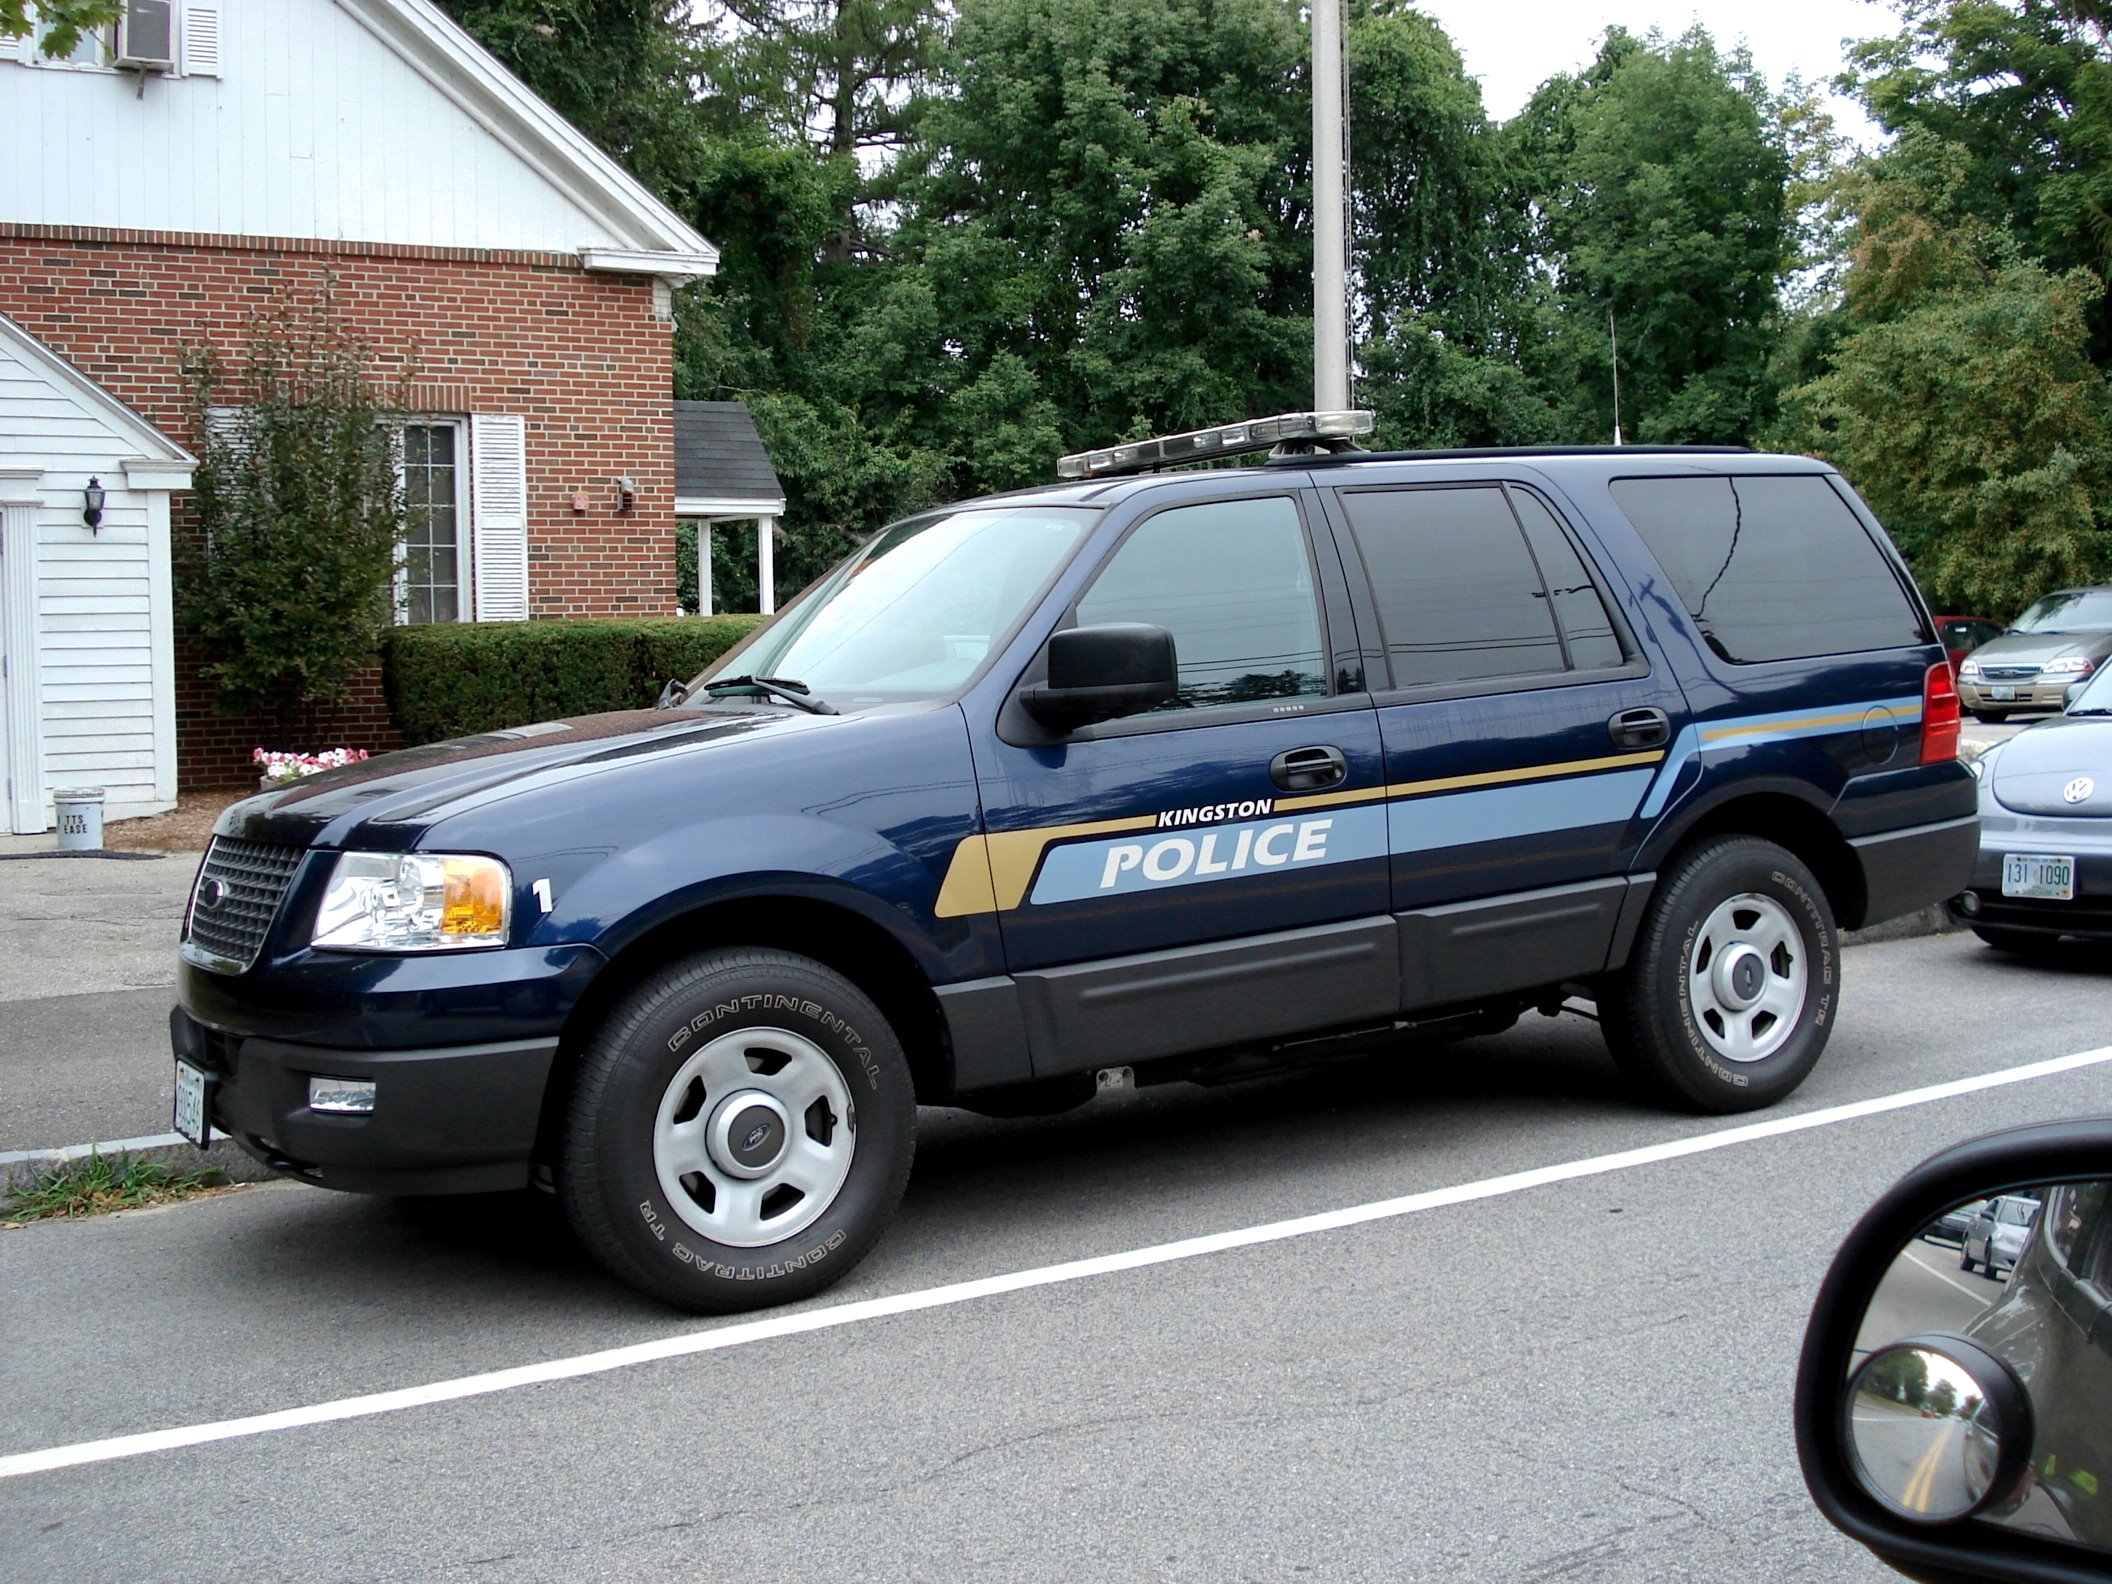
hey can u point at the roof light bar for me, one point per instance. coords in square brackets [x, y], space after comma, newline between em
[1328, 430]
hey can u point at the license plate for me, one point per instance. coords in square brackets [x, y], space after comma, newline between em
[1999, 693]
[193, 1120]
[2038, 875]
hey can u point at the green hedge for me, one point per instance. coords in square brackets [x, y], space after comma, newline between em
[455, 678]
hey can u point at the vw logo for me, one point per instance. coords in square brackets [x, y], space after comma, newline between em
[2078, 789]
[756, 1135]
[211, 893]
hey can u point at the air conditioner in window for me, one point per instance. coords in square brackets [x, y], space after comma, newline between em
[146, 36]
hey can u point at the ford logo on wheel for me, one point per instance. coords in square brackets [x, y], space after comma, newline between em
[2078, 789]
[756, 1135]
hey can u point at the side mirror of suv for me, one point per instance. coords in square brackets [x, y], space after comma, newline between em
[1958, 1424]
[1102, 673]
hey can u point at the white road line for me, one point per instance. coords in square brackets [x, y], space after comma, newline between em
[836, 1316]
[1978, 1295]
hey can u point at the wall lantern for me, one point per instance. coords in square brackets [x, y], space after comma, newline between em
[626, 495]
[92, 505]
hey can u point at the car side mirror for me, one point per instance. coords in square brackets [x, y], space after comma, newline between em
[1103, 673]
[1954, 1397]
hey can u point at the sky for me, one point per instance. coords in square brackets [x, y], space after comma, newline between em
[1515, 45]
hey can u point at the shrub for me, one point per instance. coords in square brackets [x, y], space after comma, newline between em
[299, 514]
[452, 679]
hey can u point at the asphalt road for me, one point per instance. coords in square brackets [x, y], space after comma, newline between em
[1584, 1379]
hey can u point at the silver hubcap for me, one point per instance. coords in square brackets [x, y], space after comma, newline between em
[754, 1137]
[1747, 978]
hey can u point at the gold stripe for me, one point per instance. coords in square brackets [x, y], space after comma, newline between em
[966, 888]
[1528, 773]
[990, 874]
[1015, 854]
[1855, 718]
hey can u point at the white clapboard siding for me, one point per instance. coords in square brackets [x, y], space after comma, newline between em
[96, 702]
[498, 514]
[288, 118]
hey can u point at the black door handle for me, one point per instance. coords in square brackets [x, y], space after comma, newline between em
[1639, 728]
[1309, 769]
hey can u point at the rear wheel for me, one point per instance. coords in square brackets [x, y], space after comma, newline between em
[1727, 999]
[740, 1131]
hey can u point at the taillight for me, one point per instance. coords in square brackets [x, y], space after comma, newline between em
[1940, 718]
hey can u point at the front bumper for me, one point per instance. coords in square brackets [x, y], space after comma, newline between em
[2049, 693]
[458, 1119]
[2087, 841]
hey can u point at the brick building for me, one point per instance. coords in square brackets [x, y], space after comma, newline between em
[470, 236]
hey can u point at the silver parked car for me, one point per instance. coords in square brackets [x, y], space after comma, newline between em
[1995, 1240]
[2058, 641]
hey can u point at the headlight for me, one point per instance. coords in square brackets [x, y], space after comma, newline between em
[1968, 667]
[2073, 665]
[411, 902]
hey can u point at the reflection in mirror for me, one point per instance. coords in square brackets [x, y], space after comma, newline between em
[1926, 1432]
[2026, 1276]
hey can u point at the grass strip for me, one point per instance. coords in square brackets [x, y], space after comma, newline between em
[98, 1184]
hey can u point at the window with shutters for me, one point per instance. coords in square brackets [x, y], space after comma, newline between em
[431, 574]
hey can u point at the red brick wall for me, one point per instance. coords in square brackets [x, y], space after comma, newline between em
[580, 355]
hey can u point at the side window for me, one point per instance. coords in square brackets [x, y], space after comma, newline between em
[1231, 581]
[1579, 611]
[1459, 597]
[1771, 568]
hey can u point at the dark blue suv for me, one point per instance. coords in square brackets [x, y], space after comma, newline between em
[1151, 776]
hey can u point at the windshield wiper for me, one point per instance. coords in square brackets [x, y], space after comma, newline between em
[797, 694]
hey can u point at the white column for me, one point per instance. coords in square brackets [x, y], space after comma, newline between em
[702, 604]
[22, 716]
[1330, 255]
[766, 563]
[161, 631]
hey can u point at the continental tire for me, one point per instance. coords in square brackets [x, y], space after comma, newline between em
[1728, 996]
[740, 1131]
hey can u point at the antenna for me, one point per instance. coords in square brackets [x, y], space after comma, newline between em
[1614, 337]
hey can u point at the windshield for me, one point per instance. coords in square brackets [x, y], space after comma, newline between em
[2096, 696]
[2016, 1212]
[2071, 610]
[914, 613]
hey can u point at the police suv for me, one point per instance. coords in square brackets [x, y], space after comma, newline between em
[1149, 775]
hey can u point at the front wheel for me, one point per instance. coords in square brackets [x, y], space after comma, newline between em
[1728, 997]
[740, 1131]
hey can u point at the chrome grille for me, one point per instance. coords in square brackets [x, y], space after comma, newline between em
[2009, 673]
[238, 890]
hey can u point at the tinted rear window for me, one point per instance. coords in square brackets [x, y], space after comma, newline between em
[1771, 568]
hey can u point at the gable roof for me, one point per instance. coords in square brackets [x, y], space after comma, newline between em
[156, 452]
[720, 463]
[657, 240]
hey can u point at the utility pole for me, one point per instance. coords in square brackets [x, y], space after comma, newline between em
[1614, 339]
[1330, 252]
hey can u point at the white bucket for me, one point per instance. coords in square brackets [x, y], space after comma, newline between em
[80, 811]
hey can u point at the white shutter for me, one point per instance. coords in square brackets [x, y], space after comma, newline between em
[498, 512]
[201, 39]
[15, 49]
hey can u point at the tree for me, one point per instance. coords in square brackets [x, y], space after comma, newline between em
[1960, 397]
[1656, 180]
[2022, 90]
[1113, 216]
[619, 70]
[64, 21]
[298, 510]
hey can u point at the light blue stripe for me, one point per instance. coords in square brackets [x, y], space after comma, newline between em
[1458, 819]
[1131, 862]
[1757, 729]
